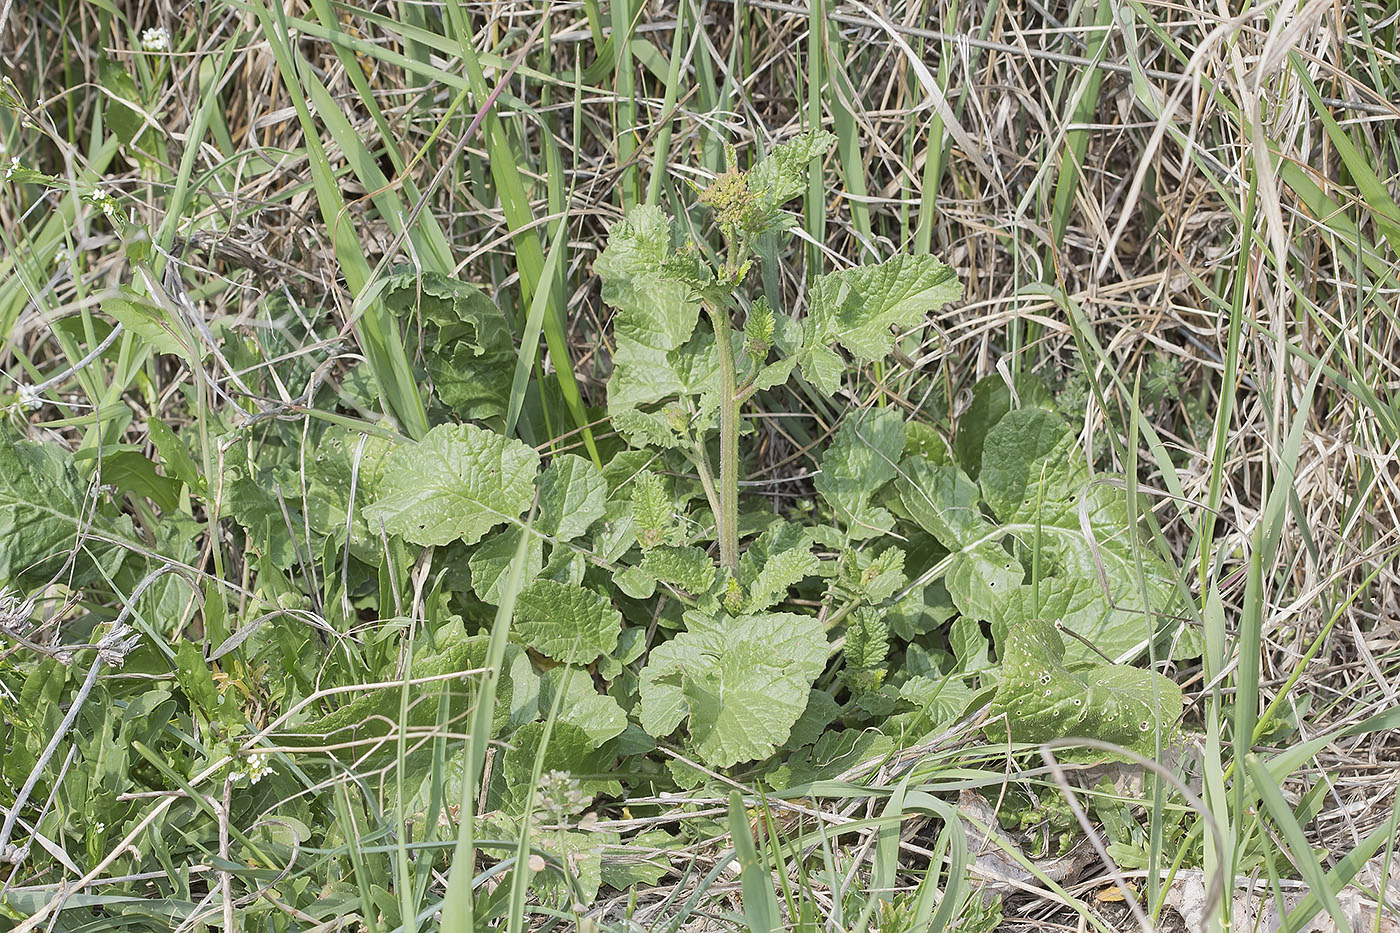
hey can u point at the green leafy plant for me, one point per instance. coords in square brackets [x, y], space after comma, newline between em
[650, 603]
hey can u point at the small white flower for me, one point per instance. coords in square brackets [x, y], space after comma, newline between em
[98, 195]
[156, 39]
[26, 397]
[12, 168]
[258, 768]
[100, 826]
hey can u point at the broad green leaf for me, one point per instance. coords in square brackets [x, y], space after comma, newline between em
[175, 455]
[857, 307]
[250, 495]
[599, 716]
[923, 440]
[689, 404]
[942, 699]
[290, 503]
[573, 495]
[689, 568]
[122, 99]
[1044, 700]
[969, 645]
[774, 374]
[778, 559]
[636, 583]
[149, 321]
[822, 710]
[330, 473]
[460, 481]
[371, 716]
[834, 753]
[981, 573]
[1037, 482]
[862, 457]
[43, 510]
[740, 683]
[655, 314]
[570, 750]
[822, 366]
[131, 472]
[782, 174]
[991, 400]
[568, 623]
[922, 611]
[491, 561]
[465, 341]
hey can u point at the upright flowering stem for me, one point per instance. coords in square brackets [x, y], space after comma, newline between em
[727, 521]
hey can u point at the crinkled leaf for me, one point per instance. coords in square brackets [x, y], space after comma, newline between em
[573, 495]
[490, 563]
[689, 568]
[655, 314]
[570, 749]
[862, 457]
[778, 559]
[466, 342]
[250, 495]
[459, 481]
[1044, 700]
[652, 509]
[568, 623]
[741, 684]
[782, 174]
[43, 507]
[1037, 482]
[857, 307]
[883, 576]
[597, 715]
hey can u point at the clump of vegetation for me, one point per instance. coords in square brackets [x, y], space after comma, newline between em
[425, 510]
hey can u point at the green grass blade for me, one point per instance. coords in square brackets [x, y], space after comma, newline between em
[760, 902]
[458, 903]
[530, 333]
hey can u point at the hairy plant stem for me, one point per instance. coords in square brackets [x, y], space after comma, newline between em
[727, 519]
